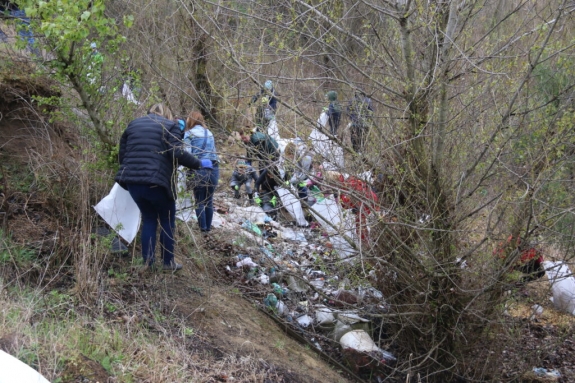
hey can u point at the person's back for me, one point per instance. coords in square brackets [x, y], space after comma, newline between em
[265, 145]
[360, 109]
[333, 112]
[360, 112]
[143, 147]
[201, 143]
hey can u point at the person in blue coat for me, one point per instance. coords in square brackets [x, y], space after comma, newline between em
[200, 142]
[151, 149]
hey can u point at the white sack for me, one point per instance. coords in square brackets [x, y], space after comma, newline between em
[13, 370]
[119, 209]
[292, 204]
[562, 286]
[358, 340]
[330, 216]
[331, 152]
[273, 130]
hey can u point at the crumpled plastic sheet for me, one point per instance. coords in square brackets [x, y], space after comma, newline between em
[331, 152]
[330, 216]
[562, 285]
[14, 370]
[120, 211]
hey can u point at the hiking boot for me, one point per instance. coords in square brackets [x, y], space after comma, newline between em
[172, 266]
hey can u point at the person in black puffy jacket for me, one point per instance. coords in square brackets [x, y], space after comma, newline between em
[151, 149]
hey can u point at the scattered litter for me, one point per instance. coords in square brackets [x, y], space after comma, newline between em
[290, 234]
[543, 372]
[253, 214]
[271, 301]
[317, 283]
[278, 290]
[350, 318]
[340, 329]
[252, 227]
[304, 320]
[281, 308]
[537, 309]
[246, 262]
[296, 284]
[324, 316]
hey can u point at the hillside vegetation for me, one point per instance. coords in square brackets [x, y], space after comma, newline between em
[470, 143]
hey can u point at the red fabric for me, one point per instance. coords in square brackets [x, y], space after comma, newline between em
[526, 255]
[356, 194]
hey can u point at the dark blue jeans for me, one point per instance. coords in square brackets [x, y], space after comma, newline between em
[301, 192]
[155, 204]
[204, 183]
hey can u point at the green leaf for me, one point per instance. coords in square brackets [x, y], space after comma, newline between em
[128, 21]
[85, 15]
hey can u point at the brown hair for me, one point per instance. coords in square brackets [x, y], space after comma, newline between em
[195, 118]
[161, 110]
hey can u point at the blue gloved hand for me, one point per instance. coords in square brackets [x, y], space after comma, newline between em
[207, 164]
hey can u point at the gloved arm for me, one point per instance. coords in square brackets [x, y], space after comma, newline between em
[172, 137]
[257, 199]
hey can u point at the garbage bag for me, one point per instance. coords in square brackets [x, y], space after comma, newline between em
[120, 211]
[273, 130]
[562, 286]
[293, 206]
[330, 151]
[13, 370]
[330, 216]
[358, 340]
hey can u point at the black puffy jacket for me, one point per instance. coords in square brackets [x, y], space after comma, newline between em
[151, 149]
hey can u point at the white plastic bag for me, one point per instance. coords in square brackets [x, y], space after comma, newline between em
[120, 211]
[330, 216]
[358, 340]
[331, 152]
[13, 370]
[273, 130]
[562, 286]
[293, 206]
[128, 95]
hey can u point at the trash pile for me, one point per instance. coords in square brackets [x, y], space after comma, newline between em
[291, 271]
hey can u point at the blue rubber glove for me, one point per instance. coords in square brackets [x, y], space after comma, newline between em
[207, 164]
